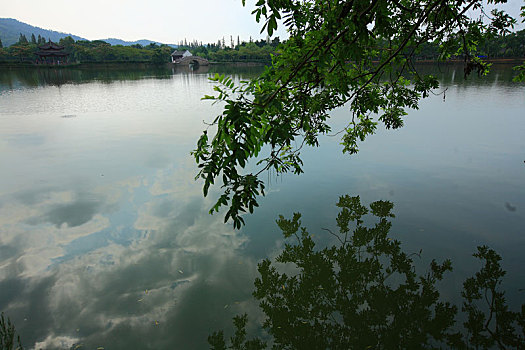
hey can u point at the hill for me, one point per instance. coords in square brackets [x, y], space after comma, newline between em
[143, 42]
[11, 28]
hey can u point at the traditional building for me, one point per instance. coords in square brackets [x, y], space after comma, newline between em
[51, 53]
[177, 55]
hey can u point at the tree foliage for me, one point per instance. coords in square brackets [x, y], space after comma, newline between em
[8, 338]
[22, 39]
[253, 51]
[521, 69]
[96, 51]
[364, 293]
[353, 53]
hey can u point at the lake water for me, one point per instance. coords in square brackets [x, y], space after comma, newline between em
[105, 239]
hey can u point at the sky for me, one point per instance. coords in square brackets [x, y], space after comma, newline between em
[158, 20]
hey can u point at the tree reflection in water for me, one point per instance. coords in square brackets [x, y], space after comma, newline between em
[364, 293]
[8, 337]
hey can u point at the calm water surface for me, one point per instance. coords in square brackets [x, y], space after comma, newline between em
[105, 238]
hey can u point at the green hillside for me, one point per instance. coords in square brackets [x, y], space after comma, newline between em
[10, 30]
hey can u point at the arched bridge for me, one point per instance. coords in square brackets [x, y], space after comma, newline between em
[192, 60]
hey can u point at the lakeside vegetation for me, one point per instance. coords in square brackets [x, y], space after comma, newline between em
[251, 51]
[84, 51]
[98, 51]
[509, 46]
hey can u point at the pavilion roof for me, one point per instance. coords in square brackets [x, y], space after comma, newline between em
[51, 46]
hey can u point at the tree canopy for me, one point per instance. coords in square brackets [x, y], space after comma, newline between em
[8, 336]
[354, 53]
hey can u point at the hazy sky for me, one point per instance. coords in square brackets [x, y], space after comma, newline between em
[159, 20]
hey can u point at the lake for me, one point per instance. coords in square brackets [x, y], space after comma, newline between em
[106, 240]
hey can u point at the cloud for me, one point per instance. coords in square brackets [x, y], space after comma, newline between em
[72, 214]
[37, 226]
[179, 274]
[56, 342]
[154, 285]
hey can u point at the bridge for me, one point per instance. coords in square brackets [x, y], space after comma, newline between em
[192, 60]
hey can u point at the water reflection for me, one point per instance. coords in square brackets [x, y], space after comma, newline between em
[105, 238]
[16, 78]
[23, 77]
[59, 76]
[78, 276]
[364, 292]
[105, 245]
[452, 74]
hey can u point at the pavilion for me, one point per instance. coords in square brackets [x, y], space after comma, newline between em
[51, 53]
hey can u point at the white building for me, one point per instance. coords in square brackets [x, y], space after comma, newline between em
[177, 55]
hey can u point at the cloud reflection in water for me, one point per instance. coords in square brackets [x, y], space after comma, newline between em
[79, 274]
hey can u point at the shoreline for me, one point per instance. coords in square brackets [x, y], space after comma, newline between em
[142, 65]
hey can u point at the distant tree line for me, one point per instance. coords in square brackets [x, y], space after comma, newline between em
[234, 50]
[98, 51]
[511, 45]
[85, 51]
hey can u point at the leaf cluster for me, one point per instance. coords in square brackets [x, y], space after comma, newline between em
[490, 323]
[356, 54]
[363, 293]
[8, 338]
[238, 340]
